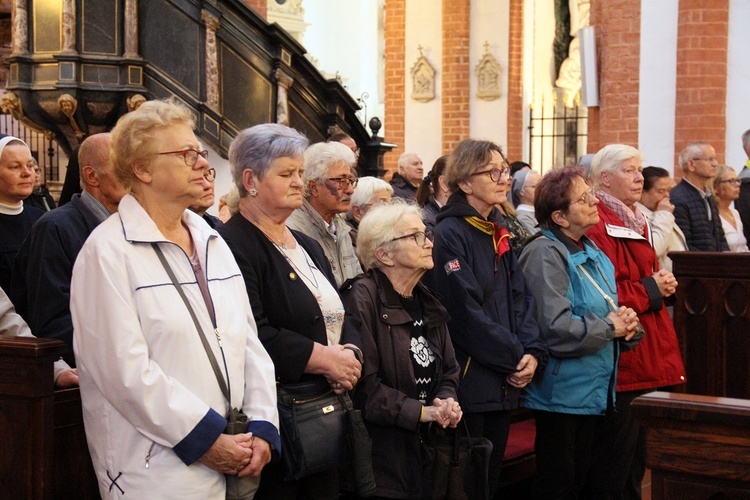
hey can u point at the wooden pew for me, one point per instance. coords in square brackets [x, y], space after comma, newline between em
[44, 453]
[712, 319]
[698, 447]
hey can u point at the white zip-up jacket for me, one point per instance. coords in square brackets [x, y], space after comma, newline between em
[151, 403]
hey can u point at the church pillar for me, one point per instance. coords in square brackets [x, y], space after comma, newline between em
[700, 113]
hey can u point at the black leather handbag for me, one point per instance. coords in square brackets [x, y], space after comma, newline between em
[457, 464]
[313, 427]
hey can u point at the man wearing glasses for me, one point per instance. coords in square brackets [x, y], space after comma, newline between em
[329, 184]
[44, 264]
[202, 204]
[695, 211]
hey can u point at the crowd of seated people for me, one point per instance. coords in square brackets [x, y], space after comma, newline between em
[469, 295]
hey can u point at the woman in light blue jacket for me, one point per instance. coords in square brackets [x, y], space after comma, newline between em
[573, 285]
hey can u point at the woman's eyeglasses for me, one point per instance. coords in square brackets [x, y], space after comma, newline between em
[420, 237]
[733, 182]
[588, 197]
[189, 155]
[495, 174]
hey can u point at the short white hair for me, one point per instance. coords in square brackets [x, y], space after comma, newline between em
[320, 157]
[378, 228]
[692, 151]
[609, 158]
[366, 189]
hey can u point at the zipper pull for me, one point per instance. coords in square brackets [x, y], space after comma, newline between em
[148, 455]
[218, 336]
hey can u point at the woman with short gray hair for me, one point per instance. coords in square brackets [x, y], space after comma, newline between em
[289, 281]
[410, 371]
[370, 191]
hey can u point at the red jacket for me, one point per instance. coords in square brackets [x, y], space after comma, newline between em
[656, 361]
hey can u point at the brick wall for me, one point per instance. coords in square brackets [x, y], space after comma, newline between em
[702, 37]
[618, 36]
[259, 6]
[455, 72]
[395, 80]
[516, 126]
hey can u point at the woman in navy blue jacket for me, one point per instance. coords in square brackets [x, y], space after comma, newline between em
[493, 327]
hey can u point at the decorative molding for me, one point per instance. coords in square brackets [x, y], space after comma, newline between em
[423, 79]
[212, 64]
[10, 104]
[488, 73]
[289, 14]
[287, 7]
[284, 82]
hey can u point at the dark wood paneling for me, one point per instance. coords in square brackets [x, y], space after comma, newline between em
[171, 40]
[100, 27]
[246, 94]
[712, 319]
[698, 446]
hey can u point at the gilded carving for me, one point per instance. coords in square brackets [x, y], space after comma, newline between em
[488, 73]
[423, 79]
[10, 104]
[68, 106]
[135, 101]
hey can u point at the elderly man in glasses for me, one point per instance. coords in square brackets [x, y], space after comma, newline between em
[44, 264]
[329, 181]
[202, 204]
[695, 211]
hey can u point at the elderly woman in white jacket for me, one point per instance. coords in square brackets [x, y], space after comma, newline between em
[154, 412]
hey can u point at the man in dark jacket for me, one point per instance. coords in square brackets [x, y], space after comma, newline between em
[44, 264]
[409, 176]
[695, 210]
[742, 204]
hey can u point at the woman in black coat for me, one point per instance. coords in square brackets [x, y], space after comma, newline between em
[290, 284]
[410, 371]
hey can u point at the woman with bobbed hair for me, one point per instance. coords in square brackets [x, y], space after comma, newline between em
[154, 289]
[618, 463]
[725, 187]
[370, 191]
[292, 290]
[410, 371]
[433, 194]
[492, 325]
[580, 323]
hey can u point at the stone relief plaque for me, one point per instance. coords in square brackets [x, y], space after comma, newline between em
[423, 79]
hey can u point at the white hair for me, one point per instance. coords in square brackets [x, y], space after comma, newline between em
[366, 189]
[609, 158]
[320, 157]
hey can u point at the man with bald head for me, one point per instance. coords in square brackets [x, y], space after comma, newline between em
[44, 264]
[406, 181]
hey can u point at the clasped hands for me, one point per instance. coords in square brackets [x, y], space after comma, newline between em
[524, 372]
[240, 454]
[666, 282]
[625, 321]
[444, 412]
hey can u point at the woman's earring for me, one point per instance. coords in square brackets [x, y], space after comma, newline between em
[252, 192]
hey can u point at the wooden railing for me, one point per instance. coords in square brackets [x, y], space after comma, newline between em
[698, 447]
[44, 453]
[712, 319]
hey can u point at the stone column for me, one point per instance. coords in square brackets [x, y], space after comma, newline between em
[212, 64]
[20, 27]
[131, 29]
[283, 81]
[69, 27]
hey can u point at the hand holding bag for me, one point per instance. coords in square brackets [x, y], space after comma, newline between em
[457, 465]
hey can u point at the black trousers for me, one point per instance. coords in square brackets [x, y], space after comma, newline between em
[563, 454]
[619, 453]
[321, 486]
[493, 425]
